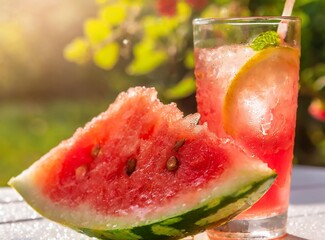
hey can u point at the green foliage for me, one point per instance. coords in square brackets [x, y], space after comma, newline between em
[158, 42]
[131, 34]
[96, 30]
[189, 59]
[146, 57]
[107, 56]
[182, 89]
[158, 46]
[156, 28]
[113, 14]
[29, 130]
[77, 51]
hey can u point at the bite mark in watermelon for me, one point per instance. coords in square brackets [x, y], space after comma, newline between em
[141, 170]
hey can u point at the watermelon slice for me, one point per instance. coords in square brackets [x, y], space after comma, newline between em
[141, 170]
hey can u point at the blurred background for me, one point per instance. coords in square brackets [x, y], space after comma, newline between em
[63, 62]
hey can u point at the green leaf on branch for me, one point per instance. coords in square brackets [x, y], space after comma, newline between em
[78, 51]
[181, 90]
[146, 57]
[96, 30]
[107, 56]
[113, 14]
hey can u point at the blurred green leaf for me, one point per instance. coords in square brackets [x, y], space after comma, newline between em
[210, 11]
[77, 51]
[107, 56]
[319, 86]
[319, 69]
[304, 2]
[307, 76]
[146, 64]
[146, 57]
[221, 2]
[134, 2]
[310, 76]
[155, 27]
[184, 11]
[189, 59]
[96, 30]
[182, 89]
[305, 21]
[114, 14]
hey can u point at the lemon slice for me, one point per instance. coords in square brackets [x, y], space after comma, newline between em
[261, 98]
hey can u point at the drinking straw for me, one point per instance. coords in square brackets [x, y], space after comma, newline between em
[287, 10]
[288, 6]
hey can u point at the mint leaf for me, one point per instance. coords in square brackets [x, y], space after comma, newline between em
[264, 40]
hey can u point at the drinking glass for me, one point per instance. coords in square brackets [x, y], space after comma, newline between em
[247, 72]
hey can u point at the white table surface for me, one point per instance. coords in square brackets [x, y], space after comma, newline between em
[306, 213]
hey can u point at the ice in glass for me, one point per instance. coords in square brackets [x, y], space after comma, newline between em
[247, 86]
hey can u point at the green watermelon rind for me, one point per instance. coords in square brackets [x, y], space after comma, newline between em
[214, 213]
[217, 209]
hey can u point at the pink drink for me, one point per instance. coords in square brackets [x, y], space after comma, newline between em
[266, 124]
[247, 72]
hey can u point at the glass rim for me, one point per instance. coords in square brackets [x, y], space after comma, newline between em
[245, 20]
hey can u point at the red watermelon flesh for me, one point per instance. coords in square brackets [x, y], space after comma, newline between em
[137, 128]
[141, 169]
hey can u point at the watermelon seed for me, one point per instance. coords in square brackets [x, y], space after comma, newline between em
[130, 166]
[172, 164]
[81, 171]
[95, 151]
[178, 144]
